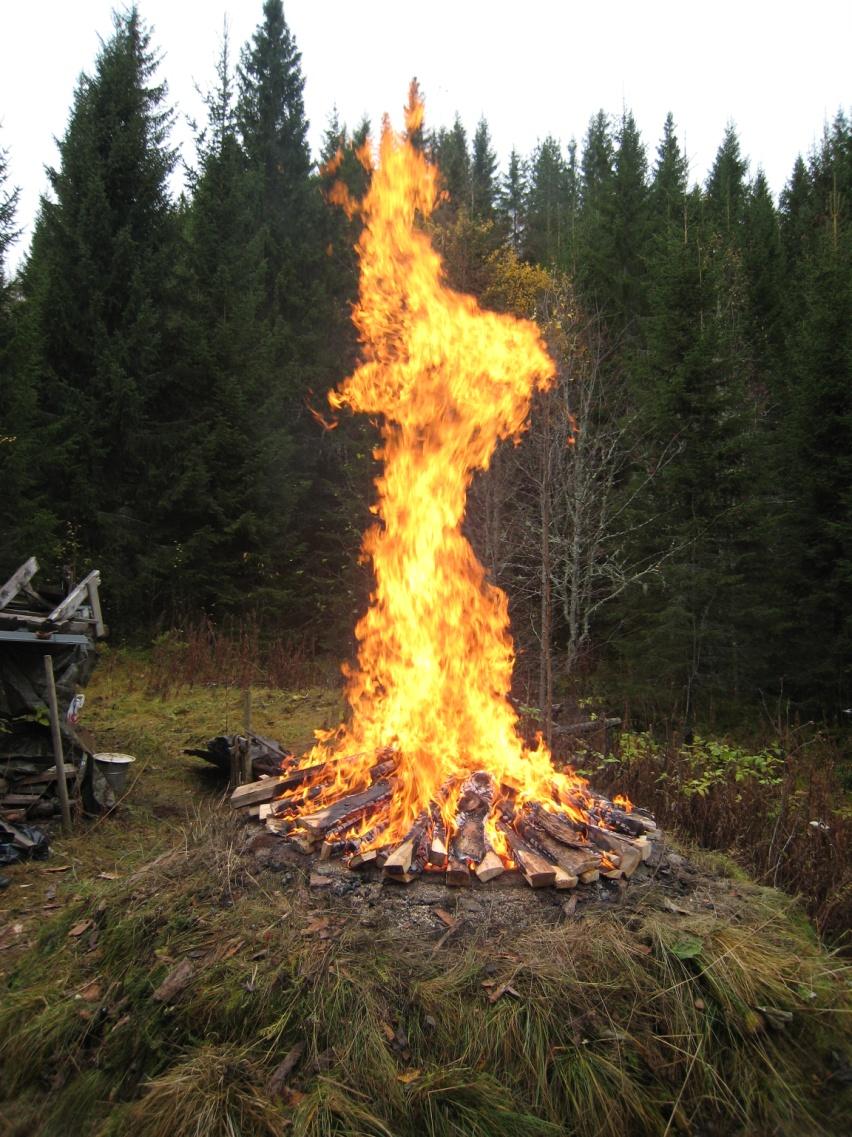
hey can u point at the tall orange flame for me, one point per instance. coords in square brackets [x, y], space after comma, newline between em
[450, 380]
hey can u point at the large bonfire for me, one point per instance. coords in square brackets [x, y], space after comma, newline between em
[431, 756]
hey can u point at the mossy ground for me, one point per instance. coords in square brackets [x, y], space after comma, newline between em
[640, 1020]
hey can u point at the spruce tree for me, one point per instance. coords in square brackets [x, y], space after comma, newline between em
[726, 189]
[290, 216]
[511, 204]
[546, 237]
[99, 282]
[25, 518]
[669, 178]
[630, 229]
[594, 229]
[221, 527]
[273, 131]
[483, 174]
[818, 427]
[449, 151]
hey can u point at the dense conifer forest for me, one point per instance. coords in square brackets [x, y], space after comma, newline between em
[161, 358]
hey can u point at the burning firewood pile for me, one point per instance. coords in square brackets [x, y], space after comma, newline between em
[430, 774]
[547, 846]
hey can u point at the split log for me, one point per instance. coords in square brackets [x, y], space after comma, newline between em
[490, 866]
[267, 789]
[538, 872]
[468, 841]
[633, 823]
[564, 879]
[279, 826]
[305, 842]
[382, 769]
[564, 830]
[291, 805]
[409, 858]
[625, 848]
[571, 860]
[438, 842]
[347, 808]
[458, 873]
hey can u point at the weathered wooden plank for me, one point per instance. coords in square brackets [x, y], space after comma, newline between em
[579, 728]
[67, 607]
[45, 777]
[19, 578]
[267, 789]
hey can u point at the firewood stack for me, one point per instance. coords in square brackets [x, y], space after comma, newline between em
[547, 846]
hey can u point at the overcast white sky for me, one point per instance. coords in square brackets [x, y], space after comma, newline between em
[779, 70]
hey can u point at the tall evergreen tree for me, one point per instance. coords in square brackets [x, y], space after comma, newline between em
[547, 231]
[669, 178]
[594, 237]
[451, 154]
[99, 281]
[630, 227]
[818, 425]
[9, 233]
[763, 273]
[693, 627]
[512, 201]
[273, 130]
[25, 519]
[220, 511]
[483, 174]
[726, 188]
[299, 307]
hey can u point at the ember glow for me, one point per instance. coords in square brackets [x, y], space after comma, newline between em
[429, 695]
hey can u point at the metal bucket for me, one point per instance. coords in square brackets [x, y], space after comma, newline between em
[114, 768]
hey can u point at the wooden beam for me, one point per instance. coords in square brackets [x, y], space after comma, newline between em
[67, 607]
[590, 727]
[267, 789]
[17, 580]
[58, 754]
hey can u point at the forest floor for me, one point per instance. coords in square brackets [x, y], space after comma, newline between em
[165, 974]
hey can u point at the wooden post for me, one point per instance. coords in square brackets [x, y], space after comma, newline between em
[246, 756]
[58, 754]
